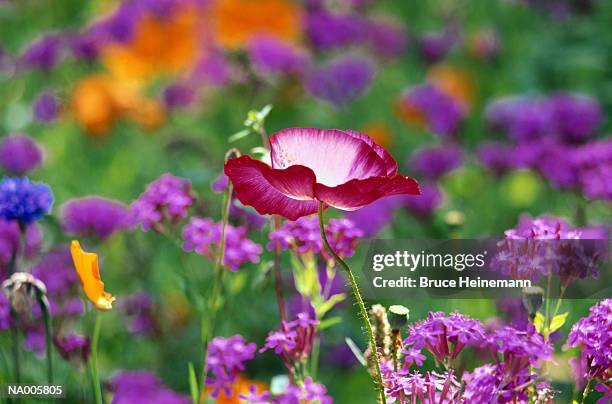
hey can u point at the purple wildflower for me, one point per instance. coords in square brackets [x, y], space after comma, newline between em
[226, 358]
[293, 342]
[441, 112]
[139, 311]
[403, 387]
[423, 206]
[592, 335]
[271, 56]
[329, 31]
[10, 239]
[94, 216]
[576, 117]
[46, 107]
[20, 154]
[387, 39]
[179, 95]
[5, 313]
[434, 46]
[43, 53]
[521, 118]
[435, 162]
[84, 46]
[373, 217]
[73, 347]
[592, 163]
[24, 201]
[445, 336]
[520, 349]
[141, 386]
[204, 236]
[303, 236]
[167, 198]
[341, 81]
[497, 157]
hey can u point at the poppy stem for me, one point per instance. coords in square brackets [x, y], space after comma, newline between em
[362, 310]
[93, 361]
[207, 330]
[43, 302]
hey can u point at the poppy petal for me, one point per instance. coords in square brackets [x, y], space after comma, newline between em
[334, 157]
[389, 161]
[356, 194]
[86, 265]
[288, 192]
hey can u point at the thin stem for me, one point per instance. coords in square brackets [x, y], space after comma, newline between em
[16, 350]
[362, 310]
[216, 288]
[586, 391]
[93, 361]
[44, 307]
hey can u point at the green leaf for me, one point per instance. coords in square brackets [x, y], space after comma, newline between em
[329, 322]
[239, 135]
[558, 321]
[325, 306]
[538, 322]
[193, 384]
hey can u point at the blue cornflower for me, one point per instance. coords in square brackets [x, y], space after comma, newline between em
[23, 200]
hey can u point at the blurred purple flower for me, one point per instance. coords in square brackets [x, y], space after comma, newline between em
[441, 112]
[139, 310]
[167, 198]
[20, 154]
[497, 157]
[204, 236]
[43, 53]
[226, 358]
[387, 39]
[10, 239]
[46, 107]
[576, 117]
[94, 216]
[73, 347]
[294, 341]
[592, 163]
[434, 46]
[84, 46]
[303, 236]
[341, 81]
[130, 387]
[179, 95]
[372, 218]
[422, 206]
[521, 118]
[328, 31]
[271, 56]
[435, 162]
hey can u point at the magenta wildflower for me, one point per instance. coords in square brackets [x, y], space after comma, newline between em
[20, 154]
[226, 358]
[293, 342]
[166, 199]
[204, 237]
[520, 349]
[94, 216]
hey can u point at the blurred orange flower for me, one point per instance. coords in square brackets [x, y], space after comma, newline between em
[455, 82]
[237, 21]
[168, 45]
[410, 114]
[99, 100]
[380, 132]
[86, 265]
[240, 386]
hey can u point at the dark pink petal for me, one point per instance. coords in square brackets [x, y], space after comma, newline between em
[335, 156]
[356, 194]
[389, 161]
[288, 192]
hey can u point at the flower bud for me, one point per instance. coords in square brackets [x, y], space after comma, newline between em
[398, 316]
[533, 298]
[232, 153]
[21, 288]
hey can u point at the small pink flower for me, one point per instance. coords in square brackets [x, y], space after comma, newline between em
[343, 169]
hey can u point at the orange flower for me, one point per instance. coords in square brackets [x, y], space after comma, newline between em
[410, 114]
[240, 386]
[453, 81]
[237, 21]
[86, 265]
[167, 45]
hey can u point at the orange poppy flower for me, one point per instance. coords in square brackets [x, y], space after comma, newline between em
[167, 45]
[237, 21]
[86, 265]
[240, 386]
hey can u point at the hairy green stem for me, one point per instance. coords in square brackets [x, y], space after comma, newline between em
[16, 348]
[362, 310]
[93, 361]
[44, 307]
[216, 288]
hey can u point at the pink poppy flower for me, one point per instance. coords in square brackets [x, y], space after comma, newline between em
[341, 168]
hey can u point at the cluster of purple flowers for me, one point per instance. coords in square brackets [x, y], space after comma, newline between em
[24, 201]
[203, 236]
[303, 236]
[307, 392]
[270, 56]
[547, 245]
[166, 199]
[94, 216]
[550, 135]
[405, 387]
[294, 341]
[20, 154]
[142, 387]
[592, 336]
[226, 358]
